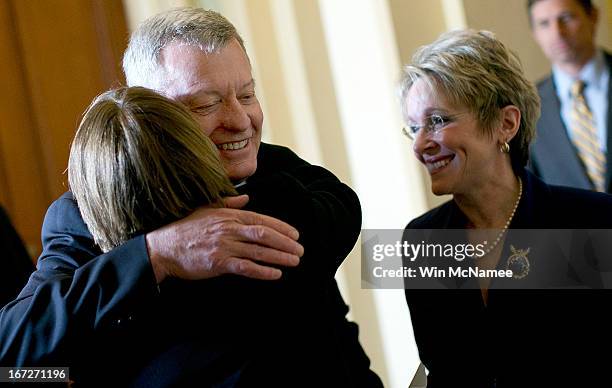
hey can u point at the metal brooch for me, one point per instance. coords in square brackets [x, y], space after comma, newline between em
[518, 262]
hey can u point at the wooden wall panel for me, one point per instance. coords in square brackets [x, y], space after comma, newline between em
[57, 55]
[24, 190]
[65, 69]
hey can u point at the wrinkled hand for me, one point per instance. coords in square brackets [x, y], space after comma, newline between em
[215, 241]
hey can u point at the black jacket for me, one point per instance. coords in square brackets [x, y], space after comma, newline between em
[526, 337]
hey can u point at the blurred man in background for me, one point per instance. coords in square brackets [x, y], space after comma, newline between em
[573, 143]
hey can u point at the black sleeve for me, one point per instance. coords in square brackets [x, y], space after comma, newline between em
[325, 211]
[353, 358]
[74, 292]
[16, 263]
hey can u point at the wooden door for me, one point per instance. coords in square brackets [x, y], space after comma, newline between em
[56, 55]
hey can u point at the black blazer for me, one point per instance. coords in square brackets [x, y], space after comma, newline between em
[102, 314]
[15, 262]
[553, 155]
[522, 338]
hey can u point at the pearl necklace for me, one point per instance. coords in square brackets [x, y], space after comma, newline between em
[503, 231]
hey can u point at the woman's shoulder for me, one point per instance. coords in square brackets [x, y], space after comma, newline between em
[582, 208]
[560, 207]
[435, 218]
[581, 196]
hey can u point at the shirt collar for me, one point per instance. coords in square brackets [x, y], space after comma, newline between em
[593, 75]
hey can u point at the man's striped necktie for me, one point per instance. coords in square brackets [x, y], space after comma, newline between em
[585, 137]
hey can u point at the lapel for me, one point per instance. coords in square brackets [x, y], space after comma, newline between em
[556, 155]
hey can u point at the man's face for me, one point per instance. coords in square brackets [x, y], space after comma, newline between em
[219, 91]
[564, 31]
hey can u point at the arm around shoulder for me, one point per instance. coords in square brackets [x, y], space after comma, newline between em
[326, 212]
[75, 291]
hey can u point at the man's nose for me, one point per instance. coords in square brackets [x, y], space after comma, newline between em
[235, 116]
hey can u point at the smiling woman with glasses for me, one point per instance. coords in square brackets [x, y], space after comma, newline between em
[471, 115]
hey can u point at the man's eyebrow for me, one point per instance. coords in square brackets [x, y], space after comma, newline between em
[250, 83]
[186, 99]
[190, 98]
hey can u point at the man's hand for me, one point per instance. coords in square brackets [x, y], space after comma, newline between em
[215, 241]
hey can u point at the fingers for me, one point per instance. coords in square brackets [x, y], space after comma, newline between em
[258, 237]
[250, 250]
[252, 270]
[213, 241]
[252, 218]
[265, 254]
[237, 202]
[256, 219]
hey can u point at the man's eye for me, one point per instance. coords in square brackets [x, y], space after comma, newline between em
[566, 19]
[248, 97]
[204, 109]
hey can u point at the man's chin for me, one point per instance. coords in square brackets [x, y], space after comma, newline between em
[567, 57]
[242, 171]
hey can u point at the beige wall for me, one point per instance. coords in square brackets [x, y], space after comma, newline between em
[416, 23]
[419, 22]
[494, 16]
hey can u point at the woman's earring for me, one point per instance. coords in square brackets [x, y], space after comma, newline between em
[505, 147]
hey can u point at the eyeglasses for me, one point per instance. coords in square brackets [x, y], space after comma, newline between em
[433, 125]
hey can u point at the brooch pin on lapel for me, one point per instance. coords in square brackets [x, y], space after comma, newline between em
[518, 262]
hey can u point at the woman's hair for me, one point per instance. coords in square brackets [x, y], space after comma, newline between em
[139, 161]
[473, 69]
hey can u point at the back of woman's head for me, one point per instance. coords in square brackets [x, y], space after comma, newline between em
[139, 161]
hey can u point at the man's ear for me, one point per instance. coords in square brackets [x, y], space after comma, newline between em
[510, 121]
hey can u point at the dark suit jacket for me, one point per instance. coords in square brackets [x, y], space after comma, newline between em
[102, 314]
[15, 265]
[553, 155]
[521, 338]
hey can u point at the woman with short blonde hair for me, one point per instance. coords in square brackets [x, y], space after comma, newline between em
[470, 113]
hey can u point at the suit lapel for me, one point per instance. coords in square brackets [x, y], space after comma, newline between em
[554, 149]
